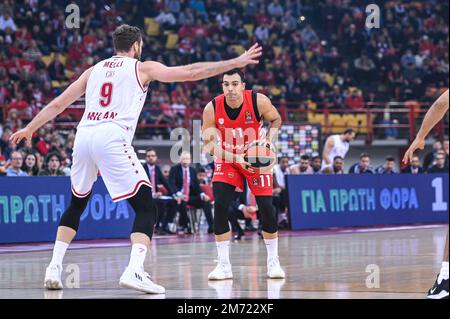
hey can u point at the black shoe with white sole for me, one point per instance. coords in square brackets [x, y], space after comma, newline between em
[439, 290]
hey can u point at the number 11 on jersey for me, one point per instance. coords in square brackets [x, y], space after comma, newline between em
[263, 180]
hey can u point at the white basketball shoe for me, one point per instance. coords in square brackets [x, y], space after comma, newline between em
[52, 279]
[274, 270]
[139, 280]
[221, 272]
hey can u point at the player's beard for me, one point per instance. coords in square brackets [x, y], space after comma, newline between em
[138, 53]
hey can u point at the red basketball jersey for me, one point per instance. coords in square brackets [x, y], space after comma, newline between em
[235, 134]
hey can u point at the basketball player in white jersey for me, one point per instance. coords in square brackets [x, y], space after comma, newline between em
[337, 145]
[433, 116]
[116, 90]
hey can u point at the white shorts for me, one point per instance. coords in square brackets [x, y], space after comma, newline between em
[107, 149]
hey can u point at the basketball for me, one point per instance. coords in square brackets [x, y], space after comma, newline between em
[261, 157]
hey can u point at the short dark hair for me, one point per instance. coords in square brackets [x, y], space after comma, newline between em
[150, 150]
[315, 157]
[236, 71]
[304, 157]
[363, 155]
[349, 130]
[201, 170]
[390, 159]
[125, 36]
[338, 157]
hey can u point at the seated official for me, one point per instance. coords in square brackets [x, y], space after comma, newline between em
[161, 192]
[439, 166]
[183, 179]
[363, 167]
[388, 167]
[413, 167]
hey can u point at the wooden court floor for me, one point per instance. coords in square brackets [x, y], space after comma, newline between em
[341, 264]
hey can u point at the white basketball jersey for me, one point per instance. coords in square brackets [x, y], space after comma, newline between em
[114, 93]
[340, 148]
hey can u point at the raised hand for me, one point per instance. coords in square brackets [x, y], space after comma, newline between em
[251, 56]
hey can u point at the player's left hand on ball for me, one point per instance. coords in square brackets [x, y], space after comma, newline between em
[264, 143]
[251, 56]
[416, 144]
[24, 133]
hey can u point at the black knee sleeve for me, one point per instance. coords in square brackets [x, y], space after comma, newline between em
[223, 195]
[146, 211]
[71, 216]
[267, 212]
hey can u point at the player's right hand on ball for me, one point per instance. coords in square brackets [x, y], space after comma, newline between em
[251, 56]
[418, 143]
[246, 165]
[24, 133]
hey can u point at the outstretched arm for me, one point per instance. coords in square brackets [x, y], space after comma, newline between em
[155, 71]
[433, 116]
[55, 107]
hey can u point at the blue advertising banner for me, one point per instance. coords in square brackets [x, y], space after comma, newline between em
[326, 201]
[31, 207]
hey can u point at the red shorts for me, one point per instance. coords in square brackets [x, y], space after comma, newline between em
[234, 174]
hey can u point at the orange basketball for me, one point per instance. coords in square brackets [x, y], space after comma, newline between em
[261, 157]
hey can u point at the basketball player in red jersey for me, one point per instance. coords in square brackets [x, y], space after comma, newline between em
[231, 122]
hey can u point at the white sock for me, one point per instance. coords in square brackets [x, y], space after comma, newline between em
[137, 256]
[59, 250]
[444, 270]
[272, 248]
[223, 251]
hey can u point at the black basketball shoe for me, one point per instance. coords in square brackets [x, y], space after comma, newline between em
[439, 290]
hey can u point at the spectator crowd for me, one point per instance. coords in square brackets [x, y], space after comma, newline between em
[317, 54]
